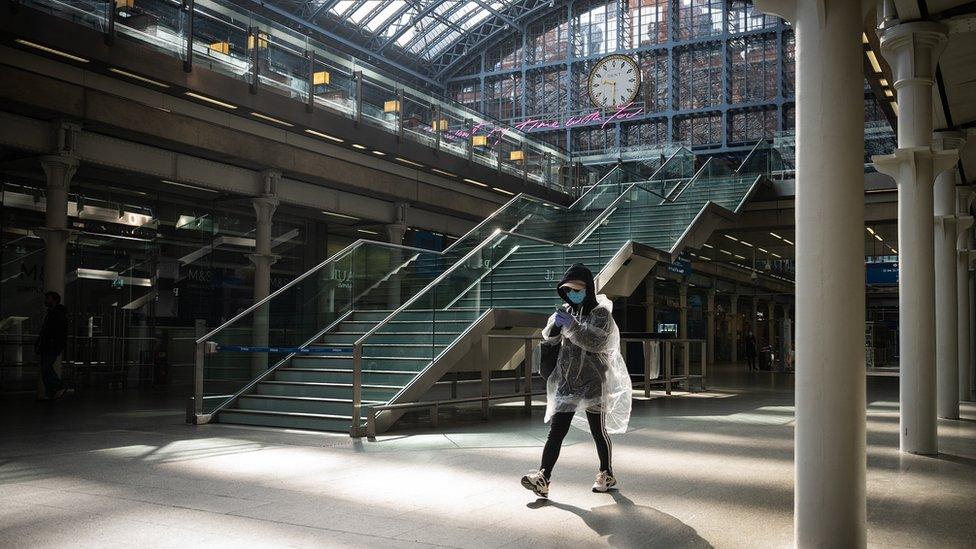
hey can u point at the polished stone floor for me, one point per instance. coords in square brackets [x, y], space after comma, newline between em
[711, 469]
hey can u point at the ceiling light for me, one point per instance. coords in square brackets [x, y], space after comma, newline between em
[343, 216]
[888, 93]
[210, 100]
[790, 242]
[864, 38]
[894, 251]
[774, 235]
[894, 107]
[705, 258]
[726, 252]
[874, 61]
[379, 153]
[364, 231]
[883, 81]
[744, 243]
[473, 182]
[707, 245]
[139, 78]
[442, 172]
[878, 237]
[763, 250]
[739, 256]
[411, 162]
[730, 237]
[51, 50]
[358, 146]
[870, 230]
[325, 136]
[271, 119]
[776, 255]
[509, 193]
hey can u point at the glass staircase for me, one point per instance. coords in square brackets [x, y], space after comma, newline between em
[403, 317]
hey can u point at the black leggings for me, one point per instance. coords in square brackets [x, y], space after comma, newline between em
[559, 426]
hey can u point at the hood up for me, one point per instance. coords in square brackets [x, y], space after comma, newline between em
[579, 271]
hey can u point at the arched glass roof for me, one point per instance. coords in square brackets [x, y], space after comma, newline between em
[427, 38]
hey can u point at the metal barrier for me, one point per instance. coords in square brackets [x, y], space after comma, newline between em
[651, 347]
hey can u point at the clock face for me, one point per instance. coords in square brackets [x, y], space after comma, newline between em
[615, 80]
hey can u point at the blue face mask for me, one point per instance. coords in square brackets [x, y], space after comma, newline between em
[576, 296]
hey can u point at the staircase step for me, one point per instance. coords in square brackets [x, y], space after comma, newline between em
[397, 378]
[348, 338]
[286, 420]
[325, 390]
[369, 363]
[308, 405]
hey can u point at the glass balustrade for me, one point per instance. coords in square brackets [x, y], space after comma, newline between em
[245, 45]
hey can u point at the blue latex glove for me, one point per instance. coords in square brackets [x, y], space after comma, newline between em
[564, 319]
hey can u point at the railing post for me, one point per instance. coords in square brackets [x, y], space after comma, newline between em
[668, 365]
[110, 30]
[647, 367]
[188, 11]
[468, 128]
[256, 46]
[436, 109]
[525, 162]
[686, 363]
[310, 99]
[199, 361]
[357, 389]
[704, 348]
[371, 422]
[527, 370]
[358, 76]
[485, 377]
[399, 114]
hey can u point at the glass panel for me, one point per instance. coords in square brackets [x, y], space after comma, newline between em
[88, 13]
[367, 276]
[158, 23]
[283, 69]
[220, 42]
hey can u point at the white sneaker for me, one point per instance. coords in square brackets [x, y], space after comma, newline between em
[537, 482]
[604, 481]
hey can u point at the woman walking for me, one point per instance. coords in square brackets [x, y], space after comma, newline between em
[589, 387]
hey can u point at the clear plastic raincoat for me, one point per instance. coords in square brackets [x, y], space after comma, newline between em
[590, 372]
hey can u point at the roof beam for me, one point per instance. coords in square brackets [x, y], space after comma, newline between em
[497, 13]
[402, 30]
[344, 41]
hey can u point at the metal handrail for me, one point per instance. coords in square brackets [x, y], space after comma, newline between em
[525, 197]
[338, 256]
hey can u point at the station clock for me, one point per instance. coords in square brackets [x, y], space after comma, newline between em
[615, 80]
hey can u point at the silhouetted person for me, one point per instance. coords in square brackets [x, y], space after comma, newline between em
[751, 351]
[51, 342]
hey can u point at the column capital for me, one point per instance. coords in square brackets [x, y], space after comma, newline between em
[263, 260]
[947, 140]
[907, 158]
[264, 208]
[269, 182]
[52, 237]
[59, 169]
[784, 9]
[912, 50]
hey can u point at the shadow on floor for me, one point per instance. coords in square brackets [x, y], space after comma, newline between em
[629, 525]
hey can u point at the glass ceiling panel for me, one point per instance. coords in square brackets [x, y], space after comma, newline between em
[381, 18]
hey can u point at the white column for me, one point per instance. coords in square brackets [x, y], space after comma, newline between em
[964, 201]
[947, 225]
[710, 325]
[264, 208]
[733, 326]
[59, 169]
[829, 496]
[912, 50]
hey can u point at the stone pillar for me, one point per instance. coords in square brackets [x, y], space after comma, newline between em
[912, 50]
[710, 325]
[771, 323]
[649, 302]
[829, 497]
[947, 229]
[683, 310]
[733, 327]
[58, 169]
[394, 233]
[264, 208]
[964, 200]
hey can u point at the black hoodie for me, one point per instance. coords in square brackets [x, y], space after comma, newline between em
[578, 271]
